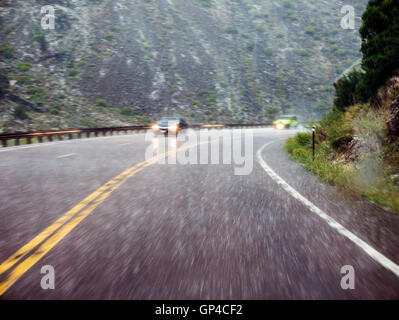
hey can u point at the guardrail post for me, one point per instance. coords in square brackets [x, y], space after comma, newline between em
[40, 139]
[88, 134]
[313, 141]
[4, 143]
[50, 138]
[60, 137]
[70, 136]
[17, 142]
[29, 140]
[79, 135]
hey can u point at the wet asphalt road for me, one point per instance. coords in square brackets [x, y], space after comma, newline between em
[188, 231]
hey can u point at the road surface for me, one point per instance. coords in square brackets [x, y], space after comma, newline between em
[114, 226]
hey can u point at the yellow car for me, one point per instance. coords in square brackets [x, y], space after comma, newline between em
[286, 122]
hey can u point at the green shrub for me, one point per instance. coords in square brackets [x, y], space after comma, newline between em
[231, 30]
[103, 103]
[339, 134]
[80, 64]
[37, 94]
[301, 52]
[301, 154]
[212, 97]
[346, 90]
[23, 66]
[250, 46]
[25, 80]
[20, 112]
[38, 37]
[72, 72]
[303, 139]
[128, 112]
[7, 51]
[33, 91]
[109, 37]
[206, 3]
[269, 51]
[54, 111]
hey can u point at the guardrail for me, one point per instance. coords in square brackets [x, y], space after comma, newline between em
[79, 133]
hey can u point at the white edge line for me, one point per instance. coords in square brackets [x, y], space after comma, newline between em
[66, 155]
[373, 253]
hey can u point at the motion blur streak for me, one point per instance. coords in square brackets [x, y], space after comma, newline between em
[76, 216]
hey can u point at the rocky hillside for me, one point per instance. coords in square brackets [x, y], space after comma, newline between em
[122, 62]
[358, 149]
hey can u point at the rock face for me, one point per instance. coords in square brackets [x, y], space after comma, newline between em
[206, 60]
[356, 149]
[393, 122]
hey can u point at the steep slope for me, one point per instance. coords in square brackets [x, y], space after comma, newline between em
[131, 61]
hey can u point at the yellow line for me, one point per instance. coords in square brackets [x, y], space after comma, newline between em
[74, 216]
[21, 253]
[23, 267]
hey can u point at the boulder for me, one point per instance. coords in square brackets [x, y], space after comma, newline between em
[356, 148]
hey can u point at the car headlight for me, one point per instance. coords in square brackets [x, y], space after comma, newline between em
[155, 127]
[173, 128]
[280, 126]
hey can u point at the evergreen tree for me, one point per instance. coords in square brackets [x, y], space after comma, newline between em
[380, 43]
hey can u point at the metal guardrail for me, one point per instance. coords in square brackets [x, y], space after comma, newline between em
[79, 133]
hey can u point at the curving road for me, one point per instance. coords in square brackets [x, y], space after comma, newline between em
[114, 226]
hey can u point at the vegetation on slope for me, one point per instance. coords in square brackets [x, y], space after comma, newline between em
[205, 60]
[358, 141]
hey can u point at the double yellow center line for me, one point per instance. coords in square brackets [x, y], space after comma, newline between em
[64, 225]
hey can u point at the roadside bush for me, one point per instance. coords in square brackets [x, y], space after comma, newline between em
[346, 91]
[300, 154]
[339, 134]
[303, 139]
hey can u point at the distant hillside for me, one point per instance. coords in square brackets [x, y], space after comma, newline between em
[131, 61]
